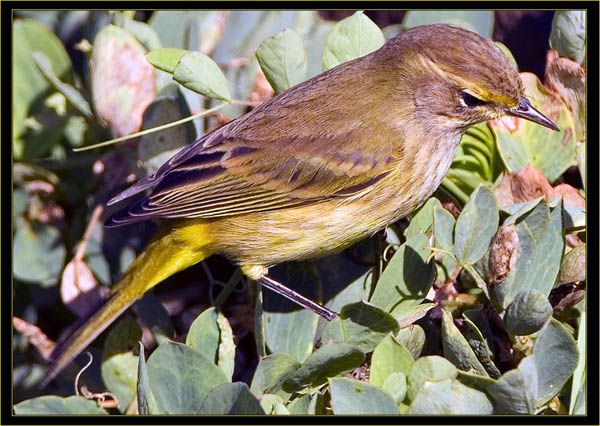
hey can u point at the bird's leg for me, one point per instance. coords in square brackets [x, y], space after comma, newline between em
[277, 287]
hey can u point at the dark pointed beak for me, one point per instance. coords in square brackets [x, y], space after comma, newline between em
[526, 111]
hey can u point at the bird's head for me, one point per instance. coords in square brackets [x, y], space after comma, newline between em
[458, 78]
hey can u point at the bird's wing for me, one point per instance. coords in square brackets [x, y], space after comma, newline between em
[238, 169]
[223, 175]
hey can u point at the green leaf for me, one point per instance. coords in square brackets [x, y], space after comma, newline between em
[504, 292]
[330, 360]
[456, 348]
[389, 357]
[406, 280]
[540, 248]
[555, 354]
[481, 22]
[429, 369]
[412, 338]
[422, 219]
[443, 227]
[29, 86]
[119, 364]
[201, 74]
[547, 229]
[231, 398]
[39, 253]
[54, 405]
[143, 32]
[180, 377]
[211, 335]
[568, 34]
[272, 371]
[516, 392]
[166, 58]
[77, 100]
[145, 397]
[450, 397]
[523, 142]
[516, 211]
[476, 226]
[351, 38]
[283, 60]
[527, 313]
[353, 397]
[395, 386]
[364, 326]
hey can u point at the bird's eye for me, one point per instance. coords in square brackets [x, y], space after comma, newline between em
[471, 101]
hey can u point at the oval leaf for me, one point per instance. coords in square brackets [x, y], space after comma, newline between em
[38, 252]
[450, 397]
[568, 34]
[201, 74]
[555, 354]
[527, 313]
[443, 227]
[406, 279]
[365, 325]
[476, 226]
[166, 59]
[330, 360]
[351, 38]
[389, 357]
[54, 405]
[180, 378]
[429, 369]
[204, 334]
[272, 371]
[355, 397]
[283, 60]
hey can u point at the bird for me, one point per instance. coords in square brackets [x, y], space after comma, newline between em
[316, 168]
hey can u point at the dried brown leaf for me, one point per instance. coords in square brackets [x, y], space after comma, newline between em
[79, 288]
[261, 90]
[530, 183]
[36, 337]
[123, 83]
[566, 79]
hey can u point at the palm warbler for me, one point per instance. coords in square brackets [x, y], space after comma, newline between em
[318, 167]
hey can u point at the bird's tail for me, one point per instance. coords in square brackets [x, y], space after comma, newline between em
[164, 256]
